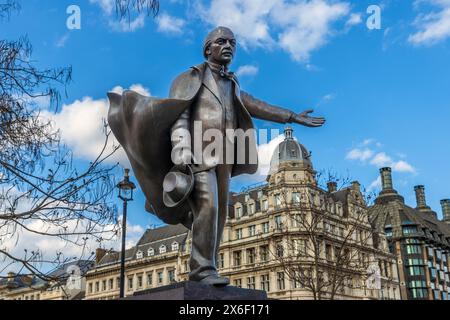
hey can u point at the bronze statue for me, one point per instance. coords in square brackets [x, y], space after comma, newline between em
[155, 135]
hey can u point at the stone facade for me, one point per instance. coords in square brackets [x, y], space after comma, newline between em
[260, 234]
[420, 241]
[68, 283]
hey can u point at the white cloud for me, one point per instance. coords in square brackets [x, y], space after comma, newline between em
[403, 166]
[381, 160]
[359, 154]
[432, 27]
[41, 102]
[107, 6]
[171, 25]
[265, 153]
[248, 19]
[368, 155]
[354, 19]
[299, 27]
[128, 26]
[139, 88]
[328, 97]
[82, 126]
[307, 25]
[62, 41]
[50, 246]
[247, 70]
[375, 185]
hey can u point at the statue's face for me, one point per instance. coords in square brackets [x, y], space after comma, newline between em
[222, 49]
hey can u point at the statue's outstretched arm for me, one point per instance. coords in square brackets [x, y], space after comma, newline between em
[262, 110]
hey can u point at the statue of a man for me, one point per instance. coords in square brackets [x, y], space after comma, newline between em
[158, 133]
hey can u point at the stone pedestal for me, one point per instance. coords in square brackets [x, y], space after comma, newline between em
[196, 291]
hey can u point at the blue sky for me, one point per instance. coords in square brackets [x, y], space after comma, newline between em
[385, 93]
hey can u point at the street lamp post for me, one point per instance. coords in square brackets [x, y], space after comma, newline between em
[126, 188]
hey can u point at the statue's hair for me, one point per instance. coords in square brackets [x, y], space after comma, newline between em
[212, 36]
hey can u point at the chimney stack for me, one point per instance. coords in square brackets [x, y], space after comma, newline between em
[422, 202]
[356, 186]
[420, 197]
[11, 276]
[386, 179]
[99, 254]
[332, 186]
[446, 210]
[388, 193]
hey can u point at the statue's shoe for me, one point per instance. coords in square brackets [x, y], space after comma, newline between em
[215, 280]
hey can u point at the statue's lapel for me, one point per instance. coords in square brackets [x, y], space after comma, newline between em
[211, 84]
[237, 89]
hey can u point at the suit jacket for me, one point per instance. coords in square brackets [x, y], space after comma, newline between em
[208, 108]
[142, 125]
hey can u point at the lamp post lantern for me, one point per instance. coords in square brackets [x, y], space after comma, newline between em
[126, 188]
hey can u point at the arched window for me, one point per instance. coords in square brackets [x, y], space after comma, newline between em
[139, 255]
[162, 249]
[151, 252]
[175, 246]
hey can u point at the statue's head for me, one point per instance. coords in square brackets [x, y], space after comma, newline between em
[220, 46]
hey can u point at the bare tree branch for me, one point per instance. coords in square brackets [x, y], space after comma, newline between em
[42, 191]
[329, 243]
[7, 7]
[126, 8]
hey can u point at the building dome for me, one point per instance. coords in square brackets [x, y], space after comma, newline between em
[291, 153]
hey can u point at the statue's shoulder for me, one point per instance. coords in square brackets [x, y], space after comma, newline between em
[192, 72]
[187, 82]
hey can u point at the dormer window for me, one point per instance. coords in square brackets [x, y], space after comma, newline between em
[175, 246]
[139, 255]
[251, 208]
[151, 252]
[162, 249]
[265, 205]
[238, 212]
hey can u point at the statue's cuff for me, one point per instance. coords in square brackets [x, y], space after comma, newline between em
[292, 117]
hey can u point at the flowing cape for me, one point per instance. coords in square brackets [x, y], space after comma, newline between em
[142, 126]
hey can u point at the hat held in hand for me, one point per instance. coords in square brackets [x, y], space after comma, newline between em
[178, 185]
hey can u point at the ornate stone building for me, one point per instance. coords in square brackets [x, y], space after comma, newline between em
[267, 242]
[420, 241]
[159, 258]
[68, 284]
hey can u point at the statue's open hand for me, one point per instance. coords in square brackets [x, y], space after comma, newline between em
[304, 119]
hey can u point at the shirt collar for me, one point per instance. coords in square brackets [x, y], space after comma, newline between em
[220, 70]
